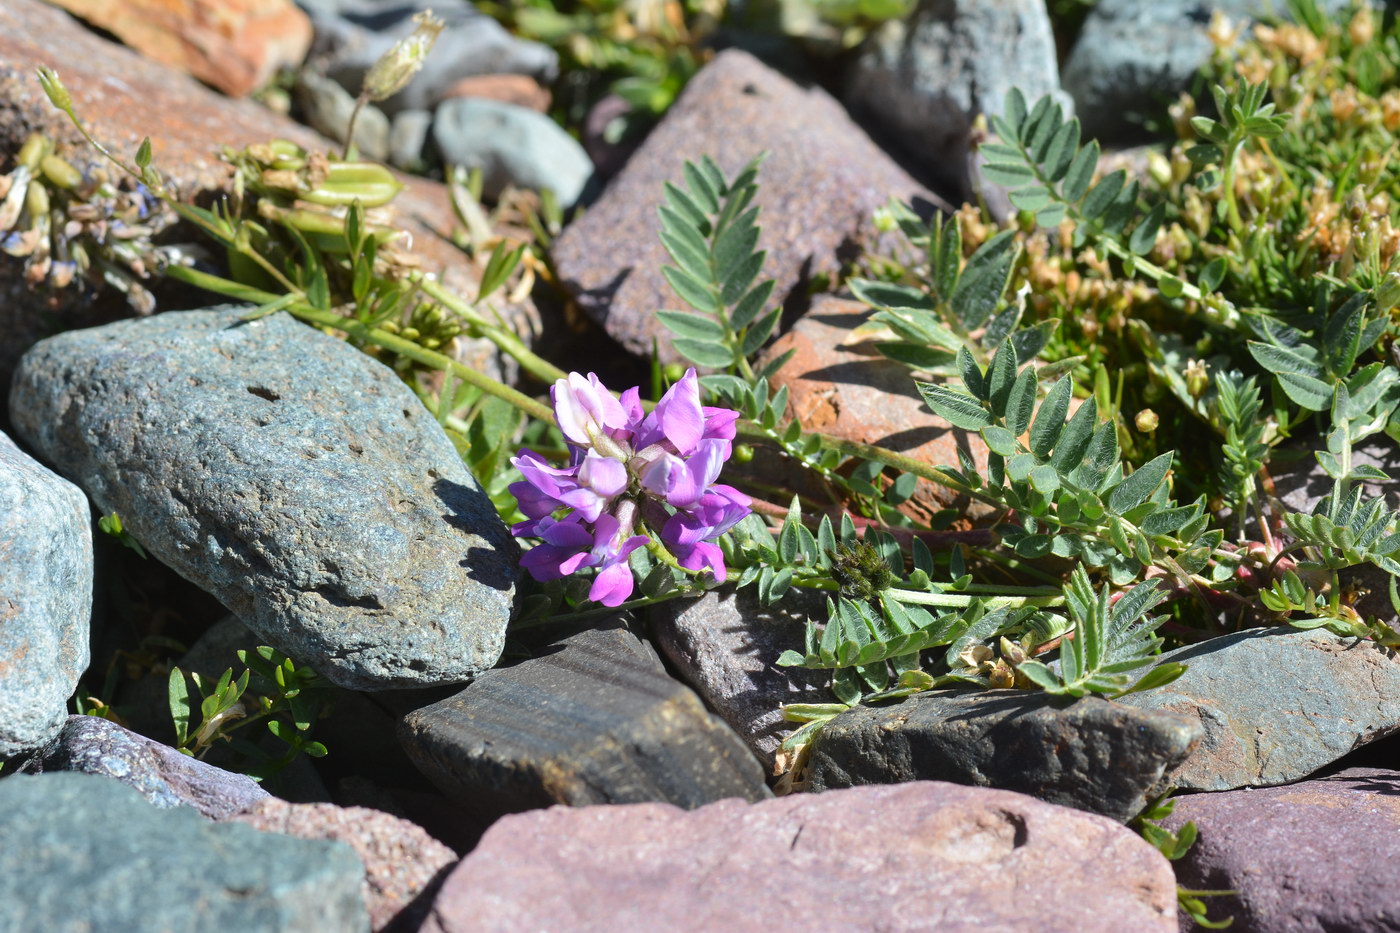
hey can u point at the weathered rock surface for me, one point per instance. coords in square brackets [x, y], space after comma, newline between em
[353, 34]
[926, 76]
[290, 475]
[1277, 704]
[235, 45]
[1300, 482]
[511, 146]
[914, 857]
[161, 774]
[45, 598]
[818, 188]
[1320, 855]
[84, 852]
[328, 107]
[1090, 754]
[122, 98]
[401, 861]
[725, 644]
[408, 139]
[842, 386]
[593, 719]
[520, 90]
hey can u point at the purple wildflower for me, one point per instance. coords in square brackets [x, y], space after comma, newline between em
[628, 466]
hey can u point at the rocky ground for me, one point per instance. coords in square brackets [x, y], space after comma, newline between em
[616, 775]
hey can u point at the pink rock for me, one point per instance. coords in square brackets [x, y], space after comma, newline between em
[401, 860]
[520, 90]
[919, 856]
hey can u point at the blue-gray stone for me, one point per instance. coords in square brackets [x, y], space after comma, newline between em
[83, 852]
[166, 778]
[512, 146]
[352, 34]
[1277, 704]
[408, 138]
[293, 477]
[925, 77]
[45, 598]
[328, 107]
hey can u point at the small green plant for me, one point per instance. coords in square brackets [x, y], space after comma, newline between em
[1174, 845]
[111, 524]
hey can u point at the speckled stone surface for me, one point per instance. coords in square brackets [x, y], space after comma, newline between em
[290, 475]
[817, 190]
[84, 852]
[1091, 754]
[1322, 855]
[45, 598]
[162, 775]
[922, 856]
[1277, 704]
[401, 861]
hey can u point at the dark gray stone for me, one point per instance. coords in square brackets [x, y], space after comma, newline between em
[1320, 855]
[84, 852]
[1277, 704]
[295, 478]
[352, 34]
[817, 192]
[513, 146]
[158, 772]
[1091, 754]
[724, 644]
[45, 598]
[592, 719]
[924, 78]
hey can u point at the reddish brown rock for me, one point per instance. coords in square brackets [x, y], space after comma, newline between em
[235, 45]
[401, 860]
[1320, 855]
[842, 386]
[123, 97]
[918, 856]
[821, 182]
[520, 90]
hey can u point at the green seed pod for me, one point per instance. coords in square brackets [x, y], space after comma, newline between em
[60, 172]
[410, 333]
[36, 201]
[743, 453]
[33, 151]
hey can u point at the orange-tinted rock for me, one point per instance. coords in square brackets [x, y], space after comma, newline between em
[520, 90]
[234, 45]
[849, 390]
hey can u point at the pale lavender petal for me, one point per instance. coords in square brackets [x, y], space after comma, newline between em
[719, 422]
[603, 475]
[680, 416]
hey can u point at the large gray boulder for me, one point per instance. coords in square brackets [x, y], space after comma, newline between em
[1277, 704]
[83, 852]
[295, 478]
[45, 598]
[511, 145]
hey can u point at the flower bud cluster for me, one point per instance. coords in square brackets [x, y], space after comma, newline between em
[629, 471]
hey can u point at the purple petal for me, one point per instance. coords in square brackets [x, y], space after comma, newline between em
[604, 475]
[612, 586]
[719, 422]
[679, 414]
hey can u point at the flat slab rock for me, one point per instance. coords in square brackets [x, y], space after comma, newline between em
[293, 477]
[45, 598]
[593, 719]
[1320, 855]
[1090, 754]
[1277, 704]
[403, 864]
[159, 773]
[817, 190]
[84, 852]
[920, 856]
[725, 644]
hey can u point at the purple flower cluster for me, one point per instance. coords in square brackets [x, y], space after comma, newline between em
[628, 471]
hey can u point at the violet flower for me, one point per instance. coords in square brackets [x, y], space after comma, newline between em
[629, 470]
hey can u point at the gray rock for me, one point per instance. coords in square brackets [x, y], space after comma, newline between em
[1277, 704]
[1320, 855]
[1300, 482]
[1091, 754]
[1134, 56]
[725, 644]
[512, 146]
[914, 857]
[353, 34]
[328, 107]
[592, 719]
[159, 773]
[924, 78]
[84, 852]
[290, 475]
[408, 135]
[45, 598]
[821, 183]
